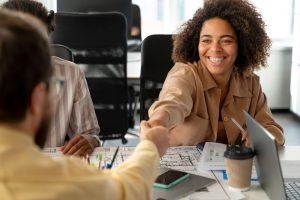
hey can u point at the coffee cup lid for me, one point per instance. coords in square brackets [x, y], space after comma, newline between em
[237, 152]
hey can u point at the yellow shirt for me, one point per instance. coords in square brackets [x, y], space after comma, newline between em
[191, 97]
[27, 173]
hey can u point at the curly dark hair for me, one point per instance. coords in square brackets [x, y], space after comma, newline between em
[253, 41]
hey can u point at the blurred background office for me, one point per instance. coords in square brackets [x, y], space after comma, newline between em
[165, 16]
[280, 81]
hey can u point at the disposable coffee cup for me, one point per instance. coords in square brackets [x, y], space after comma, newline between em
[239, 167]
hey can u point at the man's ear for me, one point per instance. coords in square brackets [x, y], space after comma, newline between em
[38, 96]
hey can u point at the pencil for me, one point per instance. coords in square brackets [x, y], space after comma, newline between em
[237, 124]
[239, 140]
[115, 155]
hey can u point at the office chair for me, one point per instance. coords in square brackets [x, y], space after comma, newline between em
[156, 63]
[99, 40]
[62, 51]
[122, 6]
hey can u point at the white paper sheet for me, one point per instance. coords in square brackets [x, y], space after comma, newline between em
[213, 157]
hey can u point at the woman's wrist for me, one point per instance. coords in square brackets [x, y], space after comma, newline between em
[159, 118]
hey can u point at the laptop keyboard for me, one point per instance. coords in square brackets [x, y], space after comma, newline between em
[292, 190]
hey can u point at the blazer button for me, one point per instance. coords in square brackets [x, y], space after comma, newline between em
[225, 119]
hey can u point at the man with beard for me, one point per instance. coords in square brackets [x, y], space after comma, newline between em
[26, 106]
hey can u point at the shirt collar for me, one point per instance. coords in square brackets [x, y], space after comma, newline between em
[208, 81]
[238, 85]
[10, 136]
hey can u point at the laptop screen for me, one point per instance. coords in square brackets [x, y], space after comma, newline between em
[266, 159]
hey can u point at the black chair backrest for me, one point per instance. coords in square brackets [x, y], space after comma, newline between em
[156, 63]
[122, 6]
[99, 40]
[94, 38]
[62, 51]
[110, 98]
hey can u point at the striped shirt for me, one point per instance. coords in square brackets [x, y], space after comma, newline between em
[75, 112]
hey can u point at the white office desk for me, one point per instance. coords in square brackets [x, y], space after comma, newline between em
[287, 155]
[133, 65]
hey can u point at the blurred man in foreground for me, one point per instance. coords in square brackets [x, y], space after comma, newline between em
[27, 99]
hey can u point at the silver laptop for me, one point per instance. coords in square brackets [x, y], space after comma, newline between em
[267, 163]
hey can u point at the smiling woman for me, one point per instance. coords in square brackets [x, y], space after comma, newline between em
[218, 49]
[212, 81]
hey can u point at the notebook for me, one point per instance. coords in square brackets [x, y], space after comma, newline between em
[267, 163]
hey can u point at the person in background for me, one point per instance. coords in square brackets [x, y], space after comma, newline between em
[75, 115]
[215, 55]
[27, 100]
[135, 32]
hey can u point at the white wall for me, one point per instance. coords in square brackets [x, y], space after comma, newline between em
[275, 79]
[49, 4]
[295, 79]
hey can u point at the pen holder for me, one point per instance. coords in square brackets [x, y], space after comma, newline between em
[239, 161]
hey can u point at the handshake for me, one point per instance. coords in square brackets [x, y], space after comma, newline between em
[159, 135]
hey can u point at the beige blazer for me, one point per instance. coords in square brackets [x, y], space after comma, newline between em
[191, 97]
